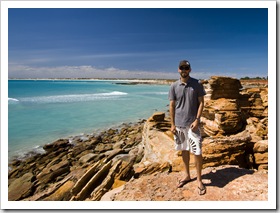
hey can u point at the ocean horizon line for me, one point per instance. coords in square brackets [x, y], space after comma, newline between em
[106, 79]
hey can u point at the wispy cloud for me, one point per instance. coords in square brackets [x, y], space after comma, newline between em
[22, 71]
[88, 71]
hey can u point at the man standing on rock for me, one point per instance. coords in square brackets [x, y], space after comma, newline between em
[186, 97]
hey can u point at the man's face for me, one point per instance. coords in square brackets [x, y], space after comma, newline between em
[184, 71]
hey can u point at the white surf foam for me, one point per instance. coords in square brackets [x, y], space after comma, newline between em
[74, 97]
[13, 99]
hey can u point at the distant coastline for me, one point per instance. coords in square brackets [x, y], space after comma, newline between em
[132, 81]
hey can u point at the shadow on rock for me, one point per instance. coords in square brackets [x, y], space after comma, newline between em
[222, 177]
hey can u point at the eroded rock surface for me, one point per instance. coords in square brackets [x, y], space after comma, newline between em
[223, 183]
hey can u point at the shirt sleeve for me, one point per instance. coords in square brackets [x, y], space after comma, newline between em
[201, 90]
[171, 94]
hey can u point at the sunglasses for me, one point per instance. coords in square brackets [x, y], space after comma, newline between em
[184, 68]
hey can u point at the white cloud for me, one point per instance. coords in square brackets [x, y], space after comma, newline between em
[23, 71]
[87, 71]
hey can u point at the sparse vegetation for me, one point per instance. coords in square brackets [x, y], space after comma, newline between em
[254, 78]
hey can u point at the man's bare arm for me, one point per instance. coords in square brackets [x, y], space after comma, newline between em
[195, 124]
[172, 115]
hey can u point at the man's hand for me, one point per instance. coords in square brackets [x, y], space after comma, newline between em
[195, 125]
[173, 129]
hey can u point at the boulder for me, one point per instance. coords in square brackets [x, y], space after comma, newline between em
[63, 193]
[261, 154]
[159, 147]
[254, 102]
[261, 146]
[261, 158]
[85, 179]
[22, 187]
[223, 87]
[87, 158]
[157, 117]
[222, 150]
[50, 173]
[222, 117]
[61, 143]
[93, 182]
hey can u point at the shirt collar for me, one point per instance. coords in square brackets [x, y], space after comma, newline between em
[184, 84]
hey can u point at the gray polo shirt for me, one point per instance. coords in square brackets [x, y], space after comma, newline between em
[186, 97]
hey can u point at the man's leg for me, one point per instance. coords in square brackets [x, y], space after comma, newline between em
[198, 165]
[186, 161]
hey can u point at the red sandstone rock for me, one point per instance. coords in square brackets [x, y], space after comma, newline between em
[223, 183]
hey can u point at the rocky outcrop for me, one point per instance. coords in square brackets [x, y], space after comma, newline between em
[227, 106]
[229, 110]
[229, 133]
[21, 187]
[254, 102]
[222, 117]
[217, 150]
[222, 114]
[78, 168]
[227, 150]
[222, 87]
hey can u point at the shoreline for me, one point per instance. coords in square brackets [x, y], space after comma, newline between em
[115, 81]
[246, 83]
[36, 141]
[84, 136]
[67, 161]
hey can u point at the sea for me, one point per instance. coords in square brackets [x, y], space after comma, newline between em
[42, 111]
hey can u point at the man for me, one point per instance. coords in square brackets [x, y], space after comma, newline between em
[186, 97]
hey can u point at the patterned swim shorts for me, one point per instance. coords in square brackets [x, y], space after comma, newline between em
[186, 139]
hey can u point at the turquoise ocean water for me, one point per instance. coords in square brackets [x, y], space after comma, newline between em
[42, 111]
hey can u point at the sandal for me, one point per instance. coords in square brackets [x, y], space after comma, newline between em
[182, 183]
[201, 191]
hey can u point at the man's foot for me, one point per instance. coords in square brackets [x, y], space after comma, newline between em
[183, 182]
[201, 190]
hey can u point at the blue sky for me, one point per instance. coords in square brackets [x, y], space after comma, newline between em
[137, 43]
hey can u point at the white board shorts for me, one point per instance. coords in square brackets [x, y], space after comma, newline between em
[186, 139]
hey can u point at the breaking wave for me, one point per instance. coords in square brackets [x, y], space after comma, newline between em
[74, 97]
[13, 100]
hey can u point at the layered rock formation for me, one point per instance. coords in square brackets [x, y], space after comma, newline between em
[231, 135]
[78, 168]
[222, 87]
[228, 182]
[222, 114]
[230, 110]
